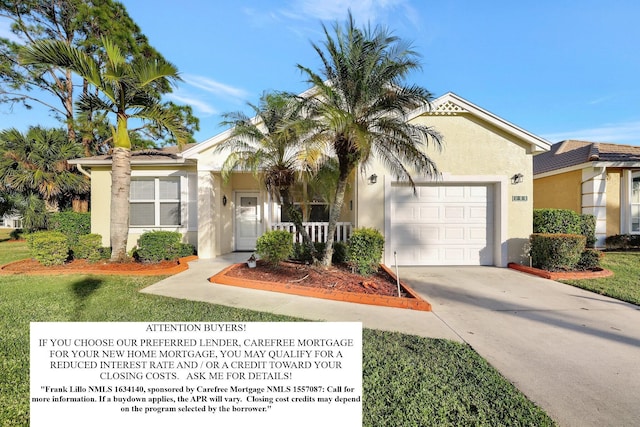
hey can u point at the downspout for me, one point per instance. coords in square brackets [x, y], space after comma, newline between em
[82, 171]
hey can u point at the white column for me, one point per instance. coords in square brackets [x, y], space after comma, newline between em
[206, 216]
[594, 200]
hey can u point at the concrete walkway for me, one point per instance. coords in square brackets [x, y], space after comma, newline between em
[574, 353]
[193, 285]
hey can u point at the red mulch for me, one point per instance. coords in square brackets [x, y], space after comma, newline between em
[337, 277]
[81, 265]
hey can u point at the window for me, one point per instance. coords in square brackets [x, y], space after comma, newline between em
[155, 202]
[635, 204]
[314, 212]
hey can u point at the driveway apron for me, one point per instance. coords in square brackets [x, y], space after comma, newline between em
[575, 353]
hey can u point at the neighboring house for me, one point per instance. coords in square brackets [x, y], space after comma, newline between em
[595, 178]
[479, 212]
[11, 221]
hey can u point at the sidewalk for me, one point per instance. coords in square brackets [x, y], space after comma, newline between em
[193, 285]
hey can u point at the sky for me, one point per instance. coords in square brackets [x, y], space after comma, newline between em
[561, 69]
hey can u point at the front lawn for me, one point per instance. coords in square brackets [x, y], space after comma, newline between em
[623, 285]
[407, 380]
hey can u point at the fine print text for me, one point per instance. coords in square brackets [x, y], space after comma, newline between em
[276, 373]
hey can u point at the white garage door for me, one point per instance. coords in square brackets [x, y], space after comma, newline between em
[442, 225]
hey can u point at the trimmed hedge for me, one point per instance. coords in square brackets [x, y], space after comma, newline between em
[364, 250]
[48, 247]
[89, 247]
[71, 224]
[622, 241]
[589, 260]
[553, 252]
[156, 246]
[565, 221]
[275, 246]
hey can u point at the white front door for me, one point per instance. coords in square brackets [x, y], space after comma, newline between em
[248, 220]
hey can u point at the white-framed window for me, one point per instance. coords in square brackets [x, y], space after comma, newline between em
[635, 203]
[155, 202]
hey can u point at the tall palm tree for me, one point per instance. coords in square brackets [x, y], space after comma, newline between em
[270, 146]
[127, 89]
[35, 162]
[360, 105]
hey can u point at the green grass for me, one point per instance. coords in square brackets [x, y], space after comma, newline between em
[407, 380]
[623, 285]
[11, 250]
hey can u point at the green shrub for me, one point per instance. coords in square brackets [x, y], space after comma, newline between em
[48, 247]
[589, 259]
[71, 224]
[364, 250]
[89, 247]
[556, 251]
[156, 246]
[556, 221]
[17, 234]
[339, 253]
[275, 246]
[301, 252]
[622, 242]
[588, 228]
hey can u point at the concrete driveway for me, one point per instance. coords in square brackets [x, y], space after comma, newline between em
[575, 353]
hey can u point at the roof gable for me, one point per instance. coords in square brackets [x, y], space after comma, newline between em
[451, 104]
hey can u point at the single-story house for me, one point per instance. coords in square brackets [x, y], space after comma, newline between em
[595, 178]
[479, 211]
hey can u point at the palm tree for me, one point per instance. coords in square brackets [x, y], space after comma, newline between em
[36, 163]
[360, 105]
[270, 146]
[126, 89]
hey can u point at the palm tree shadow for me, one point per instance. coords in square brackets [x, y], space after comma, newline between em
[83, 290]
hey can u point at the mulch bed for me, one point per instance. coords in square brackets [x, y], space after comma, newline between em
[338, 278]
[80, 266]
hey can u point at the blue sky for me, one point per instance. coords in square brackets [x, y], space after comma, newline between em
[559, 69]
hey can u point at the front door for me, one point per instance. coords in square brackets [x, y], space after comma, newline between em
[248, 220]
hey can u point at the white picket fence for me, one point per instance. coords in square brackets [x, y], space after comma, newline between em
[317, 230]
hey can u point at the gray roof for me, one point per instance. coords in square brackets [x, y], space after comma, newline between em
[571, 152]
[151, 155]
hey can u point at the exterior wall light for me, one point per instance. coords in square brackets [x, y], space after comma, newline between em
[373, 179]
[224, 200]
[517, 178]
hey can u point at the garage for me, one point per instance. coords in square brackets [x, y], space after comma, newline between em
[442, 224]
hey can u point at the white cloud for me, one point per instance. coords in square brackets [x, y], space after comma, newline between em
[199, 105]
[336, 10]
[627, 133]
[213, 86]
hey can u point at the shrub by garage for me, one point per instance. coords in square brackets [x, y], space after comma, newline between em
[556, 252]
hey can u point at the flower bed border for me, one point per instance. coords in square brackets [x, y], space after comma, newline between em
[561, 275]
[413, 301]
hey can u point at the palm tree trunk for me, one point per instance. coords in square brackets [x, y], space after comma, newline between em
[334, 215]
[120, 185]
[296, 218]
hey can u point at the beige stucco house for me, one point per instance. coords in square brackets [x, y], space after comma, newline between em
[478, 212]
[600, 179]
